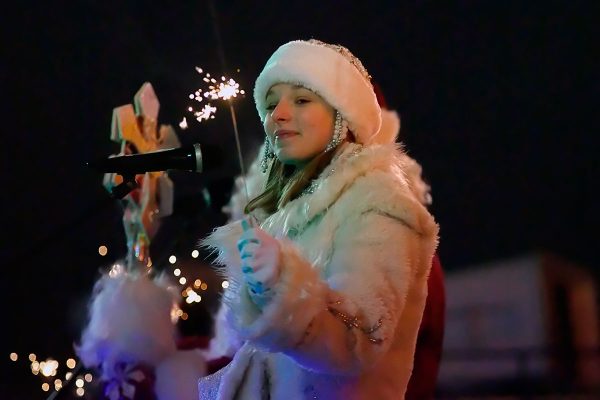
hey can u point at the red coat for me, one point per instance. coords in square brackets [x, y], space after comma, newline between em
[428, 352]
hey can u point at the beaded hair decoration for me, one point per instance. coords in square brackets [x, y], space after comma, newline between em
[347, 55]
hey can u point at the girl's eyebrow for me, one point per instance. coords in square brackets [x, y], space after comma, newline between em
[294, 87]
[269, 92]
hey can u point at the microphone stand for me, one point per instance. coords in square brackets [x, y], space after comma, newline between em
[118, 192]
[68, 384]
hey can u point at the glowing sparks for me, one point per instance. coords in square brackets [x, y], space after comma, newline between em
[225, 89]
[206, 113]
[183, 123]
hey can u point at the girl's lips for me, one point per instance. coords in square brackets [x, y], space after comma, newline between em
[284, 134]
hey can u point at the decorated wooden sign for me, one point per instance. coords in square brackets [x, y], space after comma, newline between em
[135, 128]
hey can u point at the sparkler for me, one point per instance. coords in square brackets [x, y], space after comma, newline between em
[225, 89]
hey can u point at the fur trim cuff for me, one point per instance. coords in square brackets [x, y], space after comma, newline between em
[299, 296]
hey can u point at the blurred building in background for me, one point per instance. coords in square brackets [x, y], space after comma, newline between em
[525, 324]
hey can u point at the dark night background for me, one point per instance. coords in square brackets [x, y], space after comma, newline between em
[496, 104]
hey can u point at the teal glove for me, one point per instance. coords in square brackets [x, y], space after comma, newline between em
[260, 255]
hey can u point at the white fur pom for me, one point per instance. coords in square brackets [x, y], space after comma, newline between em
[390, 127]
[129, 322]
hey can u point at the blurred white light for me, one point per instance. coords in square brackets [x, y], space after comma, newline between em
[116, 270]
[35, 367]
[176, 272]
[48, 367]
[193, 297]
[195, 253]
[225, 284]
[172, 259]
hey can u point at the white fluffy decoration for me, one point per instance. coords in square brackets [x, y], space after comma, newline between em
[388, 133]
[390, 127]
[129, 321]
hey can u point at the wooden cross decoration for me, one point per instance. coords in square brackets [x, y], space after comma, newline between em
[135, 128]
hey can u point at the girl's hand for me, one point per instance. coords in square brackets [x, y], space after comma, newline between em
[260, 254]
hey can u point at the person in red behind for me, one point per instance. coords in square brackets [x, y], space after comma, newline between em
[428, 352]
[430, 339]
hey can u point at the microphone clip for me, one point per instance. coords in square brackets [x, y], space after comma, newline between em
[124, 188]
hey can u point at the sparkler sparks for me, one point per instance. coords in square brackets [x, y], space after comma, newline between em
[225, 89]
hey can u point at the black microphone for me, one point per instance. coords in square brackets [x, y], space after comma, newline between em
[188, 158]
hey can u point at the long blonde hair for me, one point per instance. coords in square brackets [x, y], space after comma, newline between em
[286, 182]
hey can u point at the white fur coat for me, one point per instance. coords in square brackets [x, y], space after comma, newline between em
[343, 324]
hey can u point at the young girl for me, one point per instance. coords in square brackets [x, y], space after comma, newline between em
[328, 272]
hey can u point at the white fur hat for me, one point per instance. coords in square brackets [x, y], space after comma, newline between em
[332, 72]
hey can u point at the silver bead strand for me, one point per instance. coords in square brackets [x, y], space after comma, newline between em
[267, 156]
[340, 129]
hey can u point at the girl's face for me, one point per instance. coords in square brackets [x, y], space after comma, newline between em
[299, 123]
